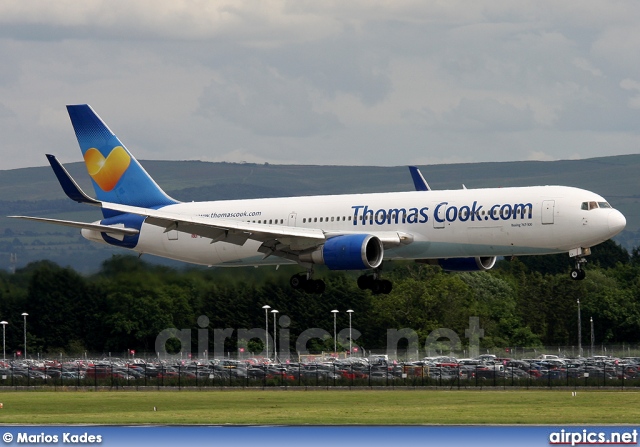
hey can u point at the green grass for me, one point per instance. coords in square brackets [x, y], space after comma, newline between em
[320, 407]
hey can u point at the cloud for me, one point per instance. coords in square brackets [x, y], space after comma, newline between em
[262, 101]
[375, 82]
[480, 115]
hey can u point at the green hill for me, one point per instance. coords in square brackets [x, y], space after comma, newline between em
[35, 191]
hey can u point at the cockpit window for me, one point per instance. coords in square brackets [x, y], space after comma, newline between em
[594, 205]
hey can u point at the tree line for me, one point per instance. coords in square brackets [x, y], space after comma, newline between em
[525, 302]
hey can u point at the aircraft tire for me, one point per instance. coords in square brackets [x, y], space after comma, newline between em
[386, 286]
[365, 282]
[298, 281]
[376, 287]
[578, 274]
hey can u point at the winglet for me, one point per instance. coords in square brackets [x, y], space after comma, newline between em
[418, 180]
[69, 185]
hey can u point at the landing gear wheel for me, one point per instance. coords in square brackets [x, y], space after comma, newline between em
[377, 286]
[302, 282]
[298, 281]
[578, 274]
[365, 282]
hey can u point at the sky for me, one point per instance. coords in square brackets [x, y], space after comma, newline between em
[356, 82]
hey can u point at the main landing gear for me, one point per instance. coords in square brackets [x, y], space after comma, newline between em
[303, 281]
[376, 285]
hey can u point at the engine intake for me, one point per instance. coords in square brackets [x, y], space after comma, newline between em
[348, 252]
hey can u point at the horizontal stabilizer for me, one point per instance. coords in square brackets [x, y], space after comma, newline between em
[88, 226]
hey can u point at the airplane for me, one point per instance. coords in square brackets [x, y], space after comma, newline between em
[460, 230]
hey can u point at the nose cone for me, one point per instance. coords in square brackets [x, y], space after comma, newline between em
[617, 222]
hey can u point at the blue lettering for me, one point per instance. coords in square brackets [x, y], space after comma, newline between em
[465, 212]
[356, 208]
[366, 212]
[413, 217]
[442, 213]
[505, 212]
[436, 212]
[493, 213]
[522, 208]
[423, 213]
[475, 211]
[395, 213]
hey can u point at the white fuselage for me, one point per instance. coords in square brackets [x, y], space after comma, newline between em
[442, 224]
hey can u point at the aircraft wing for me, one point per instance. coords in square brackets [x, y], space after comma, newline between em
[232, 231]
[276, 239]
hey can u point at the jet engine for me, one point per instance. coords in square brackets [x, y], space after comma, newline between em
[348, 252]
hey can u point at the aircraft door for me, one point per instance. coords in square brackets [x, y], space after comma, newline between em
[548, 207]
[292, 219]
[439, 218]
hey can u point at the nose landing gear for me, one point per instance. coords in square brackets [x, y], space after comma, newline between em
[578, 273]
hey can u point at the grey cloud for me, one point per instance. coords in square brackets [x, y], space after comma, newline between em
[260, 100]
[483, 115]
[339, 64]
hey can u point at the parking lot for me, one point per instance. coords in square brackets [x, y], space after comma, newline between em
[379, 371]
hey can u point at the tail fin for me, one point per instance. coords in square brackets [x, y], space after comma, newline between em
[116, 175]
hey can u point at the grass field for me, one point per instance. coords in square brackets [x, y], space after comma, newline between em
[320, 407]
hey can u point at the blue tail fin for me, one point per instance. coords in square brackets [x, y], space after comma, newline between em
[116, 175]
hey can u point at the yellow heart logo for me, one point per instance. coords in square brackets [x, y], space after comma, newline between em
[107, 171]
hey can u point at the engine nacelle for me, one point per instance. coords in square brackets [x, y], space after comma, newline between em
[467, 264]
[348, 252]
